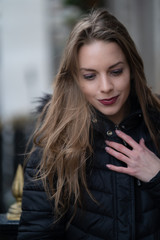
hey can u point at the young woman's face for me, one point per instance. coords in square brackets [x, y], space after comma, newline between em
[104, 78]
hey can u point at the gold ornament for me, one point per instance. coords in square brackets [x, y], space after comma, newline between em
[15, 209]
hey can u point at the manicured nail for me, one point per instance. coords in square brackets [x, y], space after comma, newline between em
[107, 149]
[108, 166]
[142, 139]
[117, 131]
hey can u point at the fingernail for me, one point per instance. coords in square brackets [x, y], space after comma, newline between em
[107, 148]
[108, 166]
[143, 140]
[117, 131]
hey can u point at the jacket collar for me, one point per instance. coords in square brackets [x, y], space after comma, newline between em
[101, 123]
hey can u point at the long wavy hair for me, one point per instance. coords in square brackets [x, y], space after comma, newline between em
[64, 127]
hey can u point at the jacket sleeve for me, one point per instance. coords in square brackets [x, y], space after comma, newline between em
[153, 187]
[37, 219]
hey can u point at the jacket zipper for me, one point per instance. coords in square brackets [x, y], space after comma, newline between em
[117, 127]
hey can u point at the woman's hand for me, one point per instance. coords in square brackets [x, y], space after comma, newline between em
[141, 162]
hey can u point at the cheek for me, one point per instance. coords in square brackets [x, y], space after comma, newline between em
[126, 85]
[127, 89]
[81, 85]
[82, 88]
[88, 93]
[85, 88]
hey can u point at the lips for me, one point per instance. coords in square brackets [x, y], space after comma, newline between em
[108, 101]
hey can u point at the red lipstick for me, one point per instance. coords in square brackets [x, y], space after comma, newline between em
[108, 101]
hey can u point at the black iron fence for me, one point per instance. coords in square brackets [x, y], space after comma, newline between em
[13, 140]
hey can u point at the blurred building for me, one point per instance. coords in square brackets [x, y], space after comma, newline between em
[32, 38]
[142, 19]
[31, 34]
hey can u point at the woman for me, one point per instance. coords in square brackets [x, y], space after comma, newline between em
[96, 144]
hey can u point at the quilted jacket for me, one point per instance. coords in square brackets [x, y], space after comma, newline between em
[126, 208]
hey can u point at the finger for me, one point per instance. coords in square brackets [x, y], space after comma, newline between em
[119, 147]
[117, 155]
[119, 169]
[127, 139]
[142, 144]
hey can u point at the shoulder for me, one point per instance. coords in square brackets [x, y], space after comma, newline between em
[154, 112]
[33, 159]
[31, 169]
[154, 115]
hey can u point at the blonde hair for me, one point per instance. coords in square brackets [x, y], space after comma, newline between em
[64, 128]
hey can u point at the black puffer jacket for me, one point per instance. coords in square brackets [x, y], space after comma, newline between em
[127, 209]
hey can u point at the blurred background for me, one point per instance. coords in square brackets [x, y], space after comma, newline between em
[32, 38]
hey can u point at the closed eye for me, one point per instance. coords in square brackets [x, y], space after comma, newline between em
[116, 72]
[89, 76]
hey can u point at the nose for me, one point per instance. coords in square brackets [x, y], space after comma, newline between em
[106, 84]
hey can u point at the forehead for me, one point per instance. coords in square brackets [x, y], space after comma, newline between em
[99, 53]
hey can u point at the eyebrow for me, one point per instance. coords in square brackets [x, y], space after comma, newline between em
[112, 66]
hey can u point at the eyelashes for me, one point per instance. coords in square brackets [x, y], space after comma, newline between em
[89, 76]
[114, 73]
